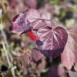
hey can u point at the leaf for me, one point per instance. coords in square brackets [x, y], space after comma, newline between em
[20, 25]
[39, 19]
[52, 54]
[54, 39]
[69, 57]
[33, 16]
[36, 55]
[31, 19]
[47, 18]
[26, 21]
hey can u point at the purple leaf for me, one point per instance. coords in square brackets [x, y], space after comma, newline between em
[27, 20]
[20, 25]
[36, 55]
[47, 18]
[69, 57]
[33, 16]
[54, 39]
[51, 54]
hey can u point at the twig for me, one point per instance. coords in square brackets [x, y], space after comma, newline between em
[4, 47]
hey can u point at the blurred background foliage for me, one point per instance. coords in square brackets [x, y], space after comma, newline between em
[64, 12]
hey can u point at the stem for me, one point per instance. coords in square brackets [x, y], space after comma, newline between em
[5, 39]
[6, 54]
[4, 47]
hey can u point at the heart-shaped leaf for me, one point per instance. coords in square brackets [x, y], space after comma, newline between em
[54, 39]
